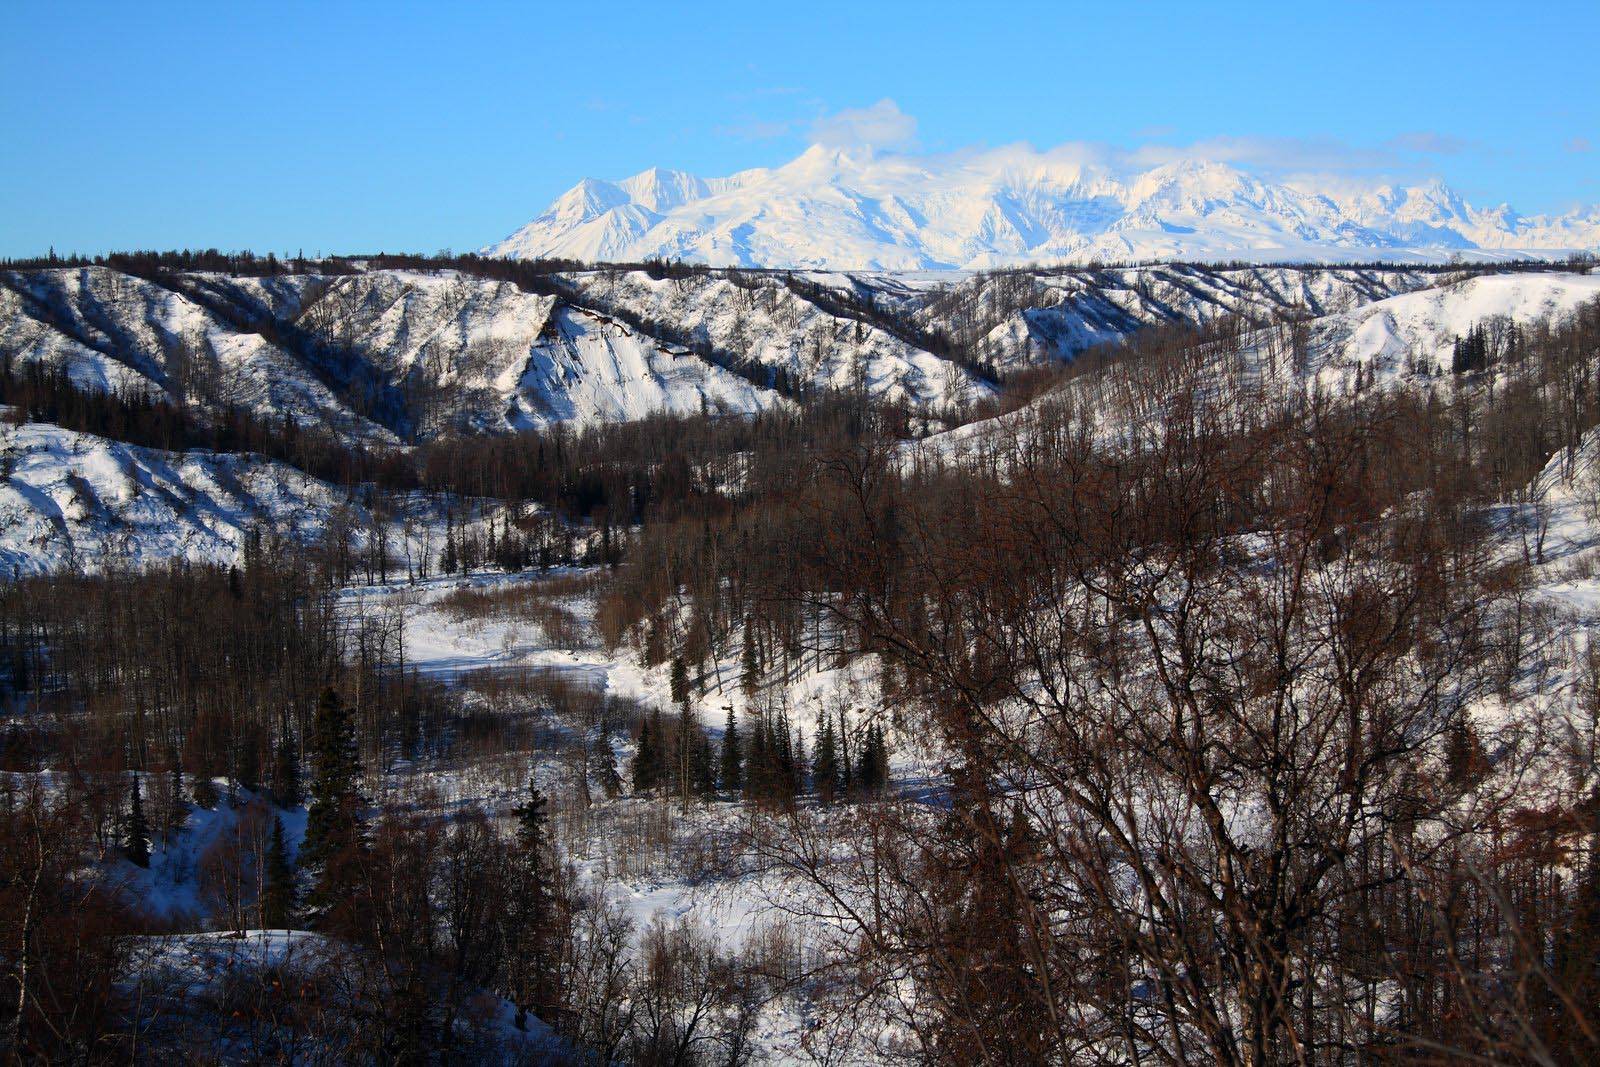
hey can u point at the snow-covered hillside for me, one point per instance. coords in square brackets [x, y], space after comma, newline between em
[1392, 336]
[381, 356]
[1018, 318]
[80, 502]
[1401, 341]
[113, 331]
[856, 210]
[769, 325]
[374, 356]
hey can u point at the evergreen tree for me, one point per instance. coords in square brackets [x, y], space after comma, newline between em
[680, 682]
[750, 664]
[732, 758]
[333, 819]
[873, 773]
[535, 939]
[756, 768]
[786, 768]
[451, 562]
[136, 831]
[647, 757]
[603, 764]
[205, 792]
[702, 763]
[825, 767]
[277, 895]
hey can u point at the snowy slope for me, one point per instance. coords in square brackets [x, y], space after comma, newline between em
[1402, 341]
[856, 210]
[765, 323]
[1392, 337]
[591, 368]
[1029, 317]
[73, 500]
[479, 356]
[111, 330]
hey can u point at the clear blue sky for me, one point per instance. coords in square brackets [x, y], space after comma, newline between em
[352, 127]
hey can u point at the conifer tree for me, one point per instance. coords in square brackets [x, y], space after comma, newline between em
[756, 769]
[732, 757]
[535, 945]
[750, 665]
[646, 757]
[278, 893]
[450, 563]
[1464, 758]
[333, 819]
[702, 763]
[680, 682]
[873, 772]
[603, 763]
[136, 831]
[786, 769]
[825, 767]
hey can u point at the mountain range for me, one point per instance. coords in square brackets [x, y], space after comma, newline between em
[855, 209]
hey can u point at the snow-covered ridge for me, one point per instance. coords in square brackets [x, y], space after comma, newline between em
[856, 210]
[1404, 341]
[387, 355]
[76, 501]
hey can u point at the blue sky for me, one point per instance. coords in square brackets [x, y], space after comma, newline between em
[354, 127]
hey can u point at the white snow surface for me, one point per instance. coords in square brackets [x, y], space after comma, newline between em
[853, 209]
[75, 501]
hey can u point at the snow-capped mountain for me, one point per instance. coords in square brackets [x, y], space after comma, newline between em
[852, 209]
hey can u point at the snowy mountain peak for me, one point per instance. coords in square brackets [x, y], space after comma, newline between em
[852, 208]
[661, 190]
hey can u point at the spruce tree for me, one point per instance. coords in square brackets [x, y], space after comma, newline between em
[333, 819]
[645, 770]
[603, 763]
[277, 895]
[533, 909]
[702, 764]
[136, 831]
[825, 767]
[757, 772]
[873, 773]
[680, 682]
[750, 669]
[732, 758]
[786, 769]
[1464, 757]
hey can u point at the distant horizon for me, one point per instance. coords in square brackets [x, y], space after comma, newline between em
[341, 128]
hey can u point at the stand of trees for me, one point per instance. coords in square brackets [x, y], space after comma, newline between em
[1207, 686]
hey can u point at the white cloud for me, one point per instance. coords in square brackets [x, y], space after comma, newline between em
[1268, 154]
[883, 125]
[1579, 144]
[1428, 142]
